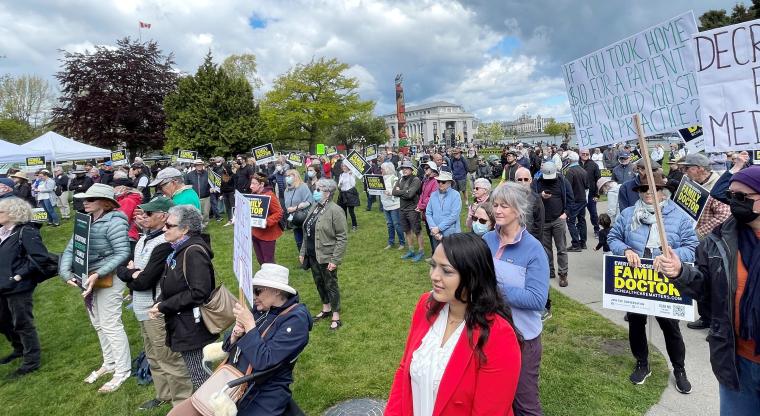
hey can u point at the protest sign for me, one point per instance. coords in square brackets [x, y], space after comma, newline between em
[320, 149]
[35, 163]
[295, 159]
[242, 262]
[214, 181]
[729, 86]
[754, 156]
[80, 248]
[174, 159]
[187, 156]
[413, 149]
[374, 184]
[259, 209]
[119, 157]
[39, 215]
[651, 73]
[642, 290]
[605, 173]
[691, 197]
[693, 138]
[263, 154]
[370, 152]
[356, 163]
[331, 150]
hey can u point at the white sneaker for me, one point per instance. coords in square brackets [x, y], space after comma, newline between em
[228, 224]
[389, 246]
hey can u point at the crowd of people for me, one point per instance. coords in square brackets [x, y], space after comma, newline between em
[475, 338]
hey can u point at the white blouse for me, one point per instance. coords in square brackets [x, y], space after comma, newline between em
[429, 362]
[346, 181]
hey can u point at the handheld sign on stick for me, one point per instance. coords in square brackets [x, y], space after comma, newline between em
[650, 182]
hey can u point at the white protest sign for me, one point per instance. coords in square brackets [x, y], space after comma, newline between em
[728, 76]
[650, 73]
[242, 262]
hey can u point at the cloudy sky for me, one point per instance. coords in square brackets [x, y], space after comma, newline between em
[498, 58]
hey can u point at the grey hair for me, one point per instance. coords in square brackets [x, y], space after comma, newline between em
[483, 183]
[188, 217]
[514, 195]
[19, 211]
[388, 168]
[329, 184]
[120, 174]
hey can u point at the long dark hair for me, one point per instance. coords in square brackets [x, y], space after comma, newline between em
[471, 258]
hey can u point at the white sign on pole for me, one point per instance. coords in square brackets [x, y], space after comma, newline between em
[728, 76]
[650, 73]
[243, 246]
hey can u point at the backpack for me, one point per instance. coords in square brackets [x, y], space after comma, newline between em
[48, 268]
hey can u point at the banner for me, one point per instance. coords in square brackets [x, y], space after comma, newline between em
[35, 163]
[370, 152]
[119, 157]
[374, 184]
[605, 173]
[320, 149]
[39, 215]
[242, 261]
[295, 159]
[642, 290]
[356, 163]
[693, 138]
[80, 249]
[729, 86]
[263, 154]
[214, 181]
[650, 73]
[259, 209]
[691, 197]
[331, 150]
[186, 156]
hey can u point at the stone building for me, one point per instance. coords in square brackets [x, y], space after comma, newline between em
[439, 122]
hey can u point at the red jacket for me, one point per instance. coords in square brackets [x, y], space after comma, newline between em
[466, 387]
[272, 231]
[128, 202]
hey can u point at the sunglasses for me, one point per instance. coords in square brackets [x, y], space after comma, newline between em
[91, 200]
[257, 291]
[169, 226]
[740, 196]
[523, 179]
[440, 182]
[480, 220]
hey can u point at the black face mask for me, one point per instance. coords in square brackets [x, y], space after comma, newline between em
[742, 211]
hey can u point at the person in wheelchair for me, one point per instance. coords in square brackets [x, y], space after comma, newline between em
[271, 334]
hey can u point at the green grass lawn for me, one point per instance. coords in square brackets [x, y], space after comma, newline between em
[585, 365]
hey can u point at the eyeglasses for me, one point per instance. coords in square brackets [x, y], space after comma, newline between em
[91, 200]
[477, 188]
[480, 220]
[440, 182]
[257, 291]
[169, 226]
[147, 213]
[740, 196]
[522, 179]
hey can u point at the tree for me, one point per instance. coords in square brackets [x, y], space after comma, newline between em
[555, 129]
[243, 66]
[212, 113]
[114, 96]
[27, 98]
[15, 131]
[365, 129]
[309, 101]
[712, 19]
[492, 132]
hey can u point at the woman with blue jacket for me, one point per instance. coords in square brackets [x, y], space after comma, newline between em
[108, 247]
[522, 273]
[635, 235]
[443, 208]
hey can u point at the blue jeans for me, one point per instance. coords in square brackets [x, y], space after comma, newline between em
[50, 209]
[394, 227]
[577, 227]
[592, 213]
[746, 401]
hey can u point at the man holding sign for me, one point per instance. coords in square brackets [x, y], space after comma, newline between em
[727, 270]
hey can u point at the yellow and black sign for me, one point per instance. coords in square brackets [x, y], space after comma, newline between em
[606, 173]
[36, 162]
[374, 184]
[331, 150]
[263, 154]
[259, 209]
[370, 152]
[119, 157]
[295, 159]
[187, 156]
[356, 163]
[691, 197]
[214, 180]
[39, 215]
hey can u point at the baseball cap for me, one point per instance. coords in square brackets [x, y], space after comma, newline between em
[164, 174]
[549, 170]
[641, 163]
[624, 155]
[157, 204]
[695, 159]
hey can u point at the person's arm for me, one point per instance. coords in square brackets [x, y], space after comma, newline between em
[498, 376]
[198, 273]
[429, 216]
[533, 295]
[153, 271]
[689, 241]
[622, 201]
[693, 279]
[64, 263]
[451, 212]
[289, 338]
[275, 211]
[339, 228]
[569, 198]
[119, 241]
[616, 236]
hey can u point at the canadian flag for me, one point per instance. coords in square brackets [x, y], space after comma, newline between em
[144, 25]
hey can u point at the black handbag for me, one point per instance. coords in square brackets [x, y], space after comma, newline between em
[299, 217]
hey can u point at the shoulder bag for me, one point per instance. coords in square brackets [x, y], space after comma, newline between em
[216, 312]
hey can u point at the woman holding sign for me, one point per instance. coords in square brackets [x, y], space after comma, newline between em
[636, 235]
[264, 239]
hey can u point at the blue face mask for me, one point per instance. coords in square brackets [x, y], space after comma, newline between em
[479, 228]
[311, 173]
[289, 180]
[317, 196]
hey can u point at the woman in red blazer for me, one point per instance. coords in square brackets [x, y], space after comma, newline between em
[264, 239]
[462, 356]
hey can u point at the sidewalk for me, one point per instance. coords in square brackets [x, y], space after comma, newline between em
[585, 286]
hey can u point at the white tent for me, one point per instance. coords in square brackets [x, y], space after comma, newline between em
[10, 152]
[58, 148]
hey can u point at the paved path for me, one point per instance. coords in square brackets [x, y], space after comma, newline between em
[585, 286]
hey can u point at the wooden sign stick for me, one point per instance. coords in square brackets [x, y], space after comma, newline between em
[650, 181]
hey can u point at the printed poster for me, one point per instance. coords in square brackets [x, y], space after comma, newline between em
[242, 260]
[263, 154]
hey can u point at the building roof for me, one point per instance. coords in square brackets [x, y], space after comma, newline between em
[434, 104]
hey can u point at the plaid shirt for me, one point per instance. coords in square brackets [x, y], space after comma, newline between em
[715, 213]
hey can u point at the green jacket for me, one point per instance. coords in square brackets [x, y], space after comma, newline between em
[187, 196]
[330, 234]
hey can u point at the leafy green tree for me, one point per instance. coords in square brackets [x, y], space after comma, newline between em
[26, 98]
[309, 101]
[114, 96]
[492, 132]
[712, 19]
[212, 113]
[15, 131]
[243, 66]
[365, 129]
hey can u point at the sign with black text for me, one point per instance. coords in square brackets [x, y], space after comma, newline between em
[693, 138]
[39, 215]
[356, 163]
[374, 184]
[331, 150]
[691, 197]
[295, 159]
[259, 209]
[370, 152]
[119, 157]
[214, 181]
[605, 173]
[187, 156]
[35, 163]
[80, 248]
[642, 290]
[263, 154]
